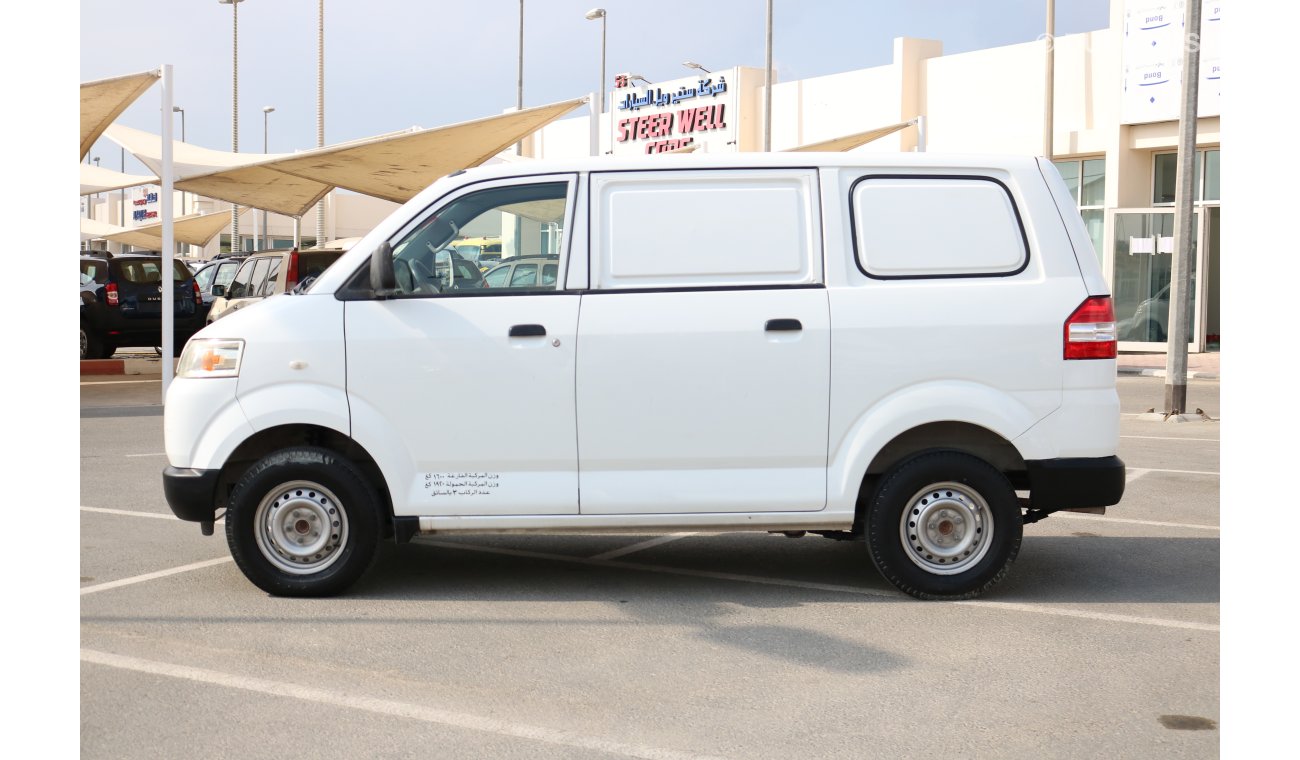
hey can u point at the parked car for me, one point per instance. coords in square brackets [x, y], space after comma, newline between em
[913, 350]
[267, 273]
[423, 271]
[523, 272]
[215, 272]
[121, 303]
[485, 252]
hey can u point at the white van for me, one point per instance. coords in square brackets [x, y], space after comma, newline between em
[880, 347]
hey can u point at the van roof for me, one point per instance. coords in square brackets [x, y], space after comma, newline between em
[753, 160]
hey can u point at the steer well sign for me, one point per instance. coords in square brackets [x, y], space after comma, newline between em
[701, 111]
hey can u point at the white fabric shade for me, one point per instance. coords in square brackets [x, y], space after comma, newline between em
[97, 179]
[195, 229]
[849, 142]
[104, 100]
[394, 166]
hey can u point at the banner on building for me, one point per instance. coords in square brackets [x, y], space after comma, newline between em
[1152, 44]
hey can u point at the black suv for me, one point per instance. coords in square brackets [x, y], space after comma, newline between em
[121, 303]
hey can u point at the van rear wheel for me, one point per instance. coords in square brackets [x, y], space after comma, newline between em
[303, 522]
[944, 525]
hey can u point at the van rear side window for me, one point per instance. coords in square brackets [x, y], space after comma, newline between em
[940, 226]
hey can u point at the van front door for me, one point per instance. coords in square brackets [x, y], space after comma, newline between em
[464, 393]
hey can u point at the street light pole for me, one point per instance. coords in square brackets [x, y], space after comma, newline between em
[519, 93]
[320, 109]
[592, 15]
[1049, 96]
[266, 112]
[234, 113]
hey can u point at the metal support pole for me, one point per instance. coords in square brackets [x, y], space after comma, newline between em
[1049, 82]
[1180, 279]
[603, 21]
[767, 85]
[594, 132]
[168, 237]
[234, 124]
[920, 133]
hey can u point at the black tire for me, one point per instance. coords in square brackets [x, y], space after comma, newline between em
[973, 531]
[327, 505]
[107, 349]
[92, 346]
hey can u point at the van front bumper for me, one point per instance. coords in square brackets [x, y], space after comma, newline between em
[1056, 484]
[191, 493]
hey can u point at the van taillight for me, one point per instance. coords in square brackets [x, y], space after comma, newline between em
[1090, 330]
[110, 294]
[291, 278]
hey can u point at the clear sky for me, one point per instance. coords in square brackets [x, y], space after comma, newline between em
[393, 64]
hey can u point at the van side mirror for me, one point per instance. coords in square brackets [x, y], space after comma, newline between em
[382, 279]
[218, 291]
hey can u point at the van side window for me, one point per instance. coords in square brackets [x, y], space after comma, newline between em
[268, 287]
[907, 227]
[528, 220]
[258, 281]
[705, 229]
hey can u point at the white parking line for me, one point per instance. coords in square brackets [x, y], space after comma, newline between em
[151, 576]
[1168, 438]
[1103, 518]
[1145, 470]
[1029, 608]
[128, 513]
[118, 382]
[154, 454]
[642, 545]
[385, 707]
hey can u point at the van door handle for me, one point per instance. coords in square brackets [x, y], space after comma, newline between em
[778, 325]
[527, 331]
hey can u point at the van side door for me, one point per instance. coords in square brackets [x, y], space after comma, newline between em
[703, 374]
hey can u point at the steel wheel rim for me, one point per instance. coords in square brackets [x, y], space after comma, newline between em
[300, 527]
[946, 528]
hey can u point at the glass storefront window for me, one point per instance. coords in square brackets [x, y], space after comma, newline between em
[1070, 173]
[1086, 180]
[1211, 175]
[1166, 177]
[1093, 189]
[1143, 265]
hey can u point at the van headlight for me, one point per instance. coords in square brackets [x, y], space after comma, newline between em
[211, 358]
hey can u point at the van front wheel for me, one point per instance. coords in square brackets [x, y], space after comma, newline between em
[944, 525]
[303, 522]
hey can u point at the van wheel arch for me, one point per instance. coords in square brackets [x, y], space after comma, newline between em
[963, 437]
[273, 439]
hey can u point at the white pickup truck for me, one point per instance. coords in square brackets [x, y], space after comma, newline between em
[914, 350]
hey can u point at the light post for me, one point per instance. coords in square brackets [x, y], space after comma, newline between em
[592, 15]
[767, 85]
[519, 92]
[234, 115]
[96, 195]
[694, 65]
[320, 109]
[266, 112]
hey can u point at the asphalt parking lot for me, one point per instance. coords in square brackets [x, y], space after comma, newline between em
[1103, 641]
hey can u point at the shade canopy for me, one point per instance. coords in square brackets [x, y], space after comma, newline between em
[394, 167]
[849, 142]
[104, 100]
[195, 229]
[97, 179]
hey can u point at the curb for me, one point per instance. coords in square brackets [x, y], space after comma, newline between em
[121, 367]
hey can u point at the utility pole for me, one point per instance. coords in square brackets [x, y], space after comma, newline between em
[1180, 297]
[767, 86]
[320, 110]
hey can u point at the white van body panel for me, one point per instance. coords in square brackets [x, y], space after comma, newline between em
[291, 373]
[204, 422]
